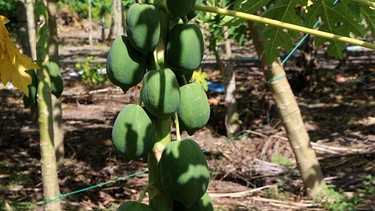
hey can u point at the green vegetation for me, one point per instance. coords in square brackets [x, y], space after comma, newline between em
[178, 172]
[161, 93]
[143, 27]
[338, 201]
[183, 171]
[125, 65]
[279, 159]
[134, 206]
[133, 139]
[180, 8]
[184, 51]
[194, 110]
[204, 204]
[90, 73]
[57, 85]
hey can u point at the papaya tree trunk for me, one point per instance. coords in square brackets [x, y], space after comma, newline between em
[299, 139]
[47, 150]
[290, 114]
[58, 133]
[229, 82]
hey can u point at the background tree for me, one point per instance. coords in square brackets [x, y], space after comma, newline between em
[272, 37]
[117, 19]
[58, 133]
[45, 109]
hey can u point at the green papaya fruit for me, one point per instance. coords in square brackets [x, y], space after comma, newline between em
[160, 92]
[133, 133]
[57, 85]
[183, 171]
[202, 204]
[194, 110]
[184, 49]
[193, 13]
[161, 202]
[179, 8]
[134, 206]
[31, 99]
[143, 27]
[125, 65]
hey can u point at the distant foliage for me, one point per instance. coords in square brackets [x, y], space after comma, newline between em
[81, 7]
[91, 71]
[8, 8]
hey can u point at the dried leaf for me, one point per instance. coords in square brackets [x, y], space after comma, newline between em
[14, 64]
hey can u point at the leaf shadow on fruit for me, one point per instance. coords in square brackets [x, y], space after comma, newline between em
[185, 173]
[138, 148]
[202, 204]
[148, 27]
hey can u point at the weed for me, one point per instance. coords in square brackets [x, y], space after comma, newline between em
[91, 71]
[337, 201]
[279, 159]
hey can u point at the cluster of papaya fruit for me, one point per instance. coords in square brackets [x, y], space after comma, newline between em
[161, 49]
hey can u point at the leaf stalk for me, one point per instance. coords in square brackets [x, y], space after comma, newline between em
[284, 25]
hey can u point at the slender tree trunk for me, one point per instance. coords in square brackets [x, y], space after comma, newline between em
[31, 27]
[23, 28]
[299, 139]
[90, 25]
[117, 18]
[27, 34]
[48, 156]
[290, 113]
[58, 133]
[229, 82]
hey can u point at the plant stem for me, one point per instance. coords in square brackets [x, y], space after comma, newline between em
[163, 127]
[284, 25]
[177, 125]
[143, 193]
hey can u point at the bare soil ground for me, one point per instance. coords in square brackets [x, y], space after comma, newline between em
[338, 106]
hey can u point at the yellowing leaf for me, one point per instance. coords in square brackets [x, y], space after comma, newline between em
[13, 63]
[200, 78]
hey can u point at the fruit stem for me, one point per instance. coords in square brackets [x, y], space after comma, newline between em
[177, 125]
[140, 98]
[184, 79]
[185, 19]
[163, 127]
[143, 193]
[151, 62]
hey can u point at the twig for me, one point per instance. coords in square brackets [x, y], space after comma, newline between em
[238, 194]
[283, 203]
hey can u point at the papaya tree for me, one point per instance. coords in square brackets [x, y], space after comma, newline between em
[44, 102]
[336, 28]
[162, 50]
[163, 59]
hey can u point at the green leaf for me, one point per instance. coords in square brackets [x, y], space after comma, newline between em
[249, 6]
[246, 6]
[342, 18]
[276, 37]
[368, 15]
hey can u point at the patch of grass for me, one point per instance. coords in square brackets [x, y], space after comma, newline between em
[279, 159]
[91, 71]
[278, 191]
[338, 201]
